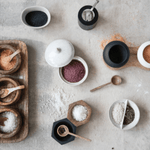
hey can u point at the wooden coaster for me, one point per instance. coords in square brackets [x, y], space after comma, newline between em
[132, 62]
[22, 104]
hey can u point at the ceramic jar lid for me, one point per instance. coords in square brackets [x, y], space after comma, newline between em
[59, 53]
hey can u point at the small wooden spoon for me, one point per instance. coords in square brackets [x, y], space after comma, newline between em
[5, 92]
[2, 120]
[10, 57]
[63, 131]
[115, 80]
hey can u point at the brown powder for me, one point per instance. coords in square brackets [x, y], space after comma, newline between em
[5, 62]
[146, 54]
[114, 37]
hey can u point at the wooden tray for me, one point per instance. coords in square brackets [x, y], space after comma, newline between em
[22, 77]
[132, 62]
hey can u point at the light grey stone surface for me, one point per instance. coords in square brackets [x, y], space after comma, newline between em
[131, 19]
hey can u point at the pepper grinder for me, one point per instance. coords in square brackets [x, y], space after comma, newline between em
[88, 16]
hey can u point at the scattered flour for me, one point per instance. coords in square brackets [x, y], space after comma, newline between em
[56, 103]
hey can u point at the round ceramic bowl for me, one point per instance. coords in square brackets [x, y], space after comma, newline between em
[136, 111]
[83, 79]
[19, 123]
[18, 60]
[35, 8]
[13, 97]
[140, 55]
[116, 54]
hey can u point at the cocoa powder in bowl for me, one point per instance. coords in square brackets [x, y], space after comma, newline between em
[146, 54]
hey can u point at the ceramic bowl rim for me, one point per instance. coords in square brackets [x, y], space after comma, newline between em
[40, 8]
[140, 57]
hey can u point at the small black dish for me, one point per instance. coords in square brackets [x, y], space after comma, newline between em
[116, 54]
[66, 139]
[87, 25]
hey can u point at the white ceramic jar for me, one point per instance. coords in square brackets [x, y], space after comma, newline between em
[140, 57]
[60, 53]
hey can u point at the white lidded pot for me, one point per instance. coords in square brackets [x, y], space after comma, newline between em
[140, 57]
[60, 53]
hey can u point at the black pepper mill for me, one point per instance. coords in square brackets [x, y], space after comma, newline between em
[88, 16]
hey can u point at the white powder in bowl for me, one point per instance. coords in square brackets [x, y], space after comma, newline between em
[79, 113]
[118, 112]
[10, 123]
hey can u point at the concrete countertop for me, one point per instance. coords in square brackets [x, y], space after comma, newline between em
[130, 19]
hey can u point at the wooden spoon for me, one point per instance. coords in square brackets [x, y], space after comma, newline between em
[2, 120]
[10, 57]
[5, 92]
[115, 80]
[63, 131]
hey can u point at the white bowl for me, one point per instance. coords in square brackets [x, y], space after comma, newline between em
[140, 55]
[35, 8]
[136, 118]
[83, 79]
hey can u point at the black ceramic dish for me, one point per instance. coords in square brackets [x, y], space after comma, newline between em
[66, 139]
[116, 54]
[87, 25]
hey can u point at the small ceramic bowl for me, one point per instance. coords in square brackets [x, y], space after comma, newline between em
[35, 8]
[79, 123]
[13, 97]
[83, 79]
[18, 60]
[19, 123]
[136, 111]
[140, 55]
[66, 139]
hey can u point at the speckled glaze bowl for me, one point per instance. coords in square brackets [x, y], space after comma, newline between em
[18, 60]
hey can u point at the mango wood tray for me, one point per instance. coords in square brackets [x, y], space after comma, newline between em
[22, 77]
[132, 62]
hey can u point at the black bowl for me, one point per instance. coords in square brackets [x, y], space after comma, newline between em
[66, 139]
[116, 54]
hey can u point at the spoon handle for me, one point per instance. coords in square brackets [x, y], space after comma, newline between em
[79, 137]
[16, 88]
[97, 1]
[99, 87]
[14, 54]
